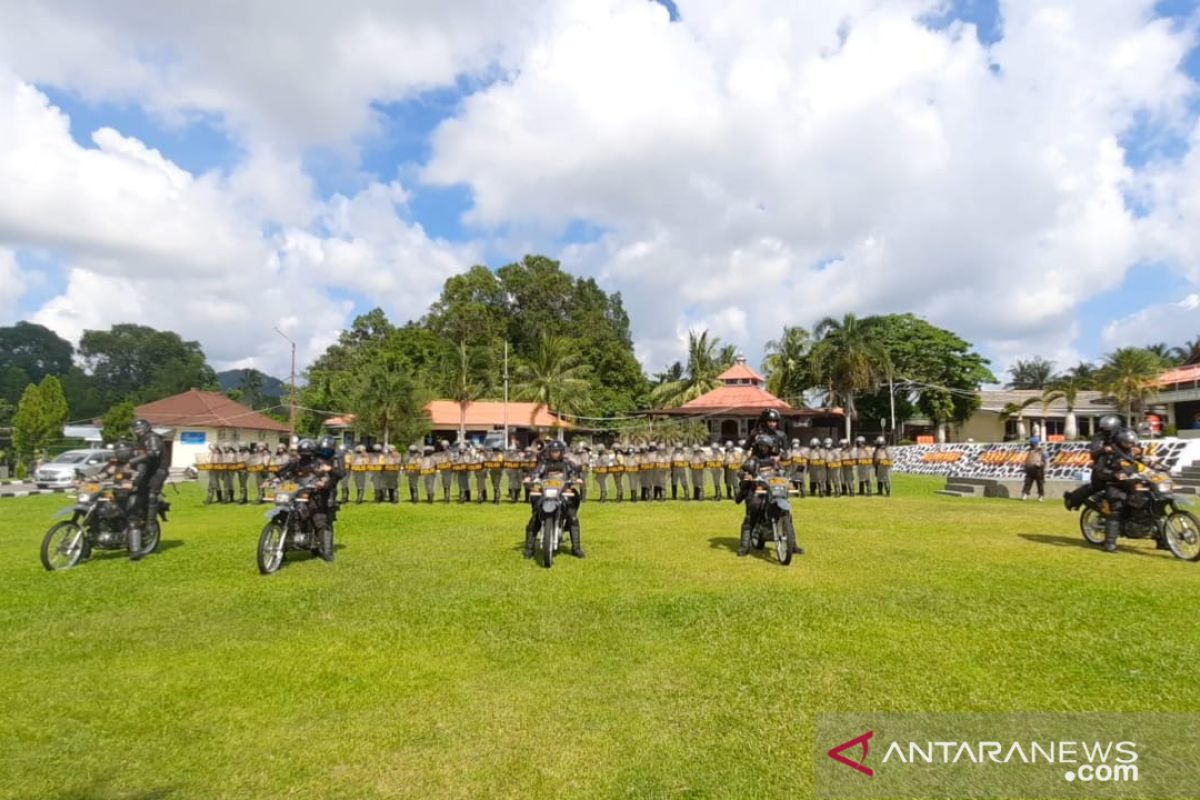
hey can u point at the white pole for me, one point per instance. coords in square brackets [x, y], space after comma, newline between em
[506, 445]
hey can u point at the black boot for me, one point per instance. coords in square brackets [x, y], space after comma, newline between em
[1112, 531]
[530, 534]
[445, 495]
[394, 496]
[358, 495]
[412, 495]
[674, 491]
[744, 544]
[576, 548]
[645, 493]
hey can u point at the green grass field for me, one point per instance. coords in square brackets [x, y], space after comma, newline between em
[431, 661]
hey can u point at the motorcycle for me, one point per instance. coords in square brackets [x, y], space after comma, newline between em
[551, 495]
[776, 518]
[1152, 512]
[290, 527]
[99, 521]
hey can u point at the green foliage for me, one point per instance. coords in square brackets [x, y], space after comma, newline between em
[39, 418]
[465, 378]
[849, 358]
[34, 350]
[555, 378]
[787, 364]
[1034, 373]
[118, 422]
[134, 362]
[1129, 376]
[706, 360]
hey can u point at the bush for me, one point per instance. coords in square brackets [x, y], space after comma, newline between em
[22, 471]
[1171, 430]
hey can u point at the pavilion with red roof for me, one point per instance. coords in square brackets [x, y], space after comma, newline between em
[1179, 391]
[732, 409]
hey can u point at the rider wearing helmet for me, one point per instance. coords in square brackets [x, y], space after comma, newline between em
[555, 464]
[770, 424]
[1114, 470]
[1108, 427]
[151, 466]
[316, 463]
[764, 458]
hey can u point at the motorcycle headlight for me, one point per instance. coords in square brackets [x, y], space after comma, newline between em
[283, 497]
[550, 492]
[83, 498]
[1166, 486]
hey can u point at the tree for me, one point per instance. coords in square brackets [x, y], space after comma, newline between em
[704, 364]
[40, 417]
[1065, 387]
[1165, 354]
[1129, 375]
[848, 359]
[118, 422]
[1017, 410]
[35, 350]
[387, 402]
[786, 364]
[1188, 353]
[1032, 374]
[466, 378]
[1082, 374]
[134, 362]
[555, 379]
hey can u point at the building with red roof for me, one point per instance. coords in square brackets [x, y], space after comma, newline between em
[1179, 391]
[732, 409]
[191, 421]
[524, 420]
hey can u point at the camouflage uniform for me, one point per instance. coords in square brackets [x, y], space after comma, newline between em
[864, 466]
[716, 470]
[230, 468]
[733, 462]
[799, 467]
[662, 465]
[477, 467]
[445, 470]
[679, 472]
[412, 472]
[513, 459]
[697, 464]
[376, 473]
[816, 468]
[617, 470]
[600, 470]
[358, 468]
[461, 460]
[882, 460]
[848, 465]
[429, 472]
[210, 476]
[495, 470]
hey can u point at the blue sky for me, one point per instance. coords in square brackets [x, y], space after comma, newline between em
[400, 145]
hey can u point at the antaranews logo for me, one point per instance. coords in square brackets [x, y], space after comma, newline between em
[863, 741]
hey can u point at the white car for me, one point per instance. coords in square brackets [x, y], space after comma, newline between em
[59, 473]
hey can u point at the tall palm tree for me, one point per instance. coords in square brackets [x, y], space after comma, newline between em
[1165, 353]
[786, 363]
[466, 379]
[386, 401]
[1188, 353]
[704, 364]
[555, 378]
[1032, 374]
[1067, 388]
[1017, 410]
[1083, 374]
[727, 356]
[1129, 375]
[849, 359]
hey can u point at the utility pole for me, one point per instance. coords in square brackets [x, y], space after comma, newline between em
[506, 445]
[291, 392]
[892, 398]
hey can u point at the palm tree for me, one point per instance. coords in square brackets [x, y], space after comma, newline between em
[386, 401]
[704, 364]
[555, 378]
[1018, 410]
[1129, 375]
[848, 358]
[727, 356]
[1189, 353]
[671, 373]
[465, 380]
[1032, 374]
[1165, 353]
[1083, 374]
[1064, 387]
[786, 363]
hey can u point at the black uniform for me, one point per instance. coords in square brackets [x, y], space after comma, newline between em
[151, 474]
[568, 473]
[1099, 445]
[1112, 471]
[755, 503]
[322, 505]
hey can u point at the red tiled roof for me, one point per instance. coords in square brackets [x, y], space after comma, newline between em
[740, 372]
[197, 409]
[744, 396]
[444, 414]
[1185, 374]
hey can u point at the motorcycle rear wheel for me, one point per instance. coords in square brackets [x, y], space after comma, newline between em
[270, 549]
[63, 546]
[1091, 525]
[1181, 530]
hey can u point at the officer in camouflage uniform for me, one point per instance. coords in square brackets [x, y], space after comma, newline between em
[412, 472]
[376, 473]
[445, 469]
[212, 477]
[477, 466]
[395, 465]
[229, 467]
[513, 459]
[882, 460]
[662, 463]
[716, 470]
[646, 462]
[495, 471]
[633, 472]
[600, 470]
[679, 472]
[617, 470]
[833, 468]
[733, 459]
[458, 462]
[816, 468]
[697, 463]
[342, 462]
[529, 463]
[848, 465]
[799, 456]
[358, 468]
[864, 466]
[584, 460]
[429, 472]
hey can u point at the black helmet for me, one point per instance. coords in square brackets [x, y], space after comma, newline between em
[306, 447]
[326, 447]
[1109, 423]
[140, 427]
[769, 415]
[555, 450]
[1125, 439]
[763, 446]
[122, 450]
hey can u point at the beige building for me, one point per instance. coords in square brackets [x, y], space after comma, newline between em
[191, 421]
[991, 424]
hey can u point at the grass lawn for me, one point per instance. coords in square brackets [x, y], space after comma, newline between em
[431, 661]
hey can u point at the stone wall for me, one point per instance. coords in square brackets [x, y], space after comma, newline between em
[1064, 462]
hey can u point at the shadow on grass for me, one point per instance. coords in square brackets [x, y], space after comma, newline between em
[101, 790]
[1075, 541]
[731, 543]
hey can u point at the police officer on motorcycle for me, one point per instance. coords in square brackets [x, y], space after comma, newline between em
[1114, 471]
[763, 455]
[555, 464]
[318, 461]
[151, 474]
[1102, 442]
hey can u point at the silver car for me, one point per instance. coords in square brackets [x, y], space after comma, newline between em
[65, 467]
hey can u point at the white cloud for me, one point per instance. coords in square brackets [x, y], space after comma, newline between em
[12, 285]
[729, 155]
[1173, 323]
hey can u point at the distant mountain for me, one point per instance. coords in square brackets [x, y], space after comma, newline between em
[233, 379]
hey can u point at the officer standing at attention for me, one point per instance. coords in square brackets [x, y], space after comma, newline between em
[617, 470]
[833, 469]
[696, 464]
[816, 468]
[210, 470]
[848, 466]
[428, 472]
[412, 472]
[1035, 469]
[733, 462]
[478, 467]
[883, 467]
[716, 470]
[462, 463]
[600, 470]
[358, 468]
[445, 467]
[342, 462]
[864, 466]
[495, 470]
[512, 470]
[679, 472]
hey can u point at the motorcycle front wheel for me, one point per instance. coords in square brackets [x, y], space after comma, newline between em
[327, 544]
[1181, 530]
[270, 548]
[150, 538]
[785, 538]
[549, 526]
[1091, 525]
[63, 546]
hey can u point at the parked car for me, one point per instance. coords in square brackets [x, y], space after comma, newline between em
[65, 467]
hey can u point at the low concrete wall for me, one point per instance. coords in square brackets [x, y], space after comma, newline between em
[1067, 461]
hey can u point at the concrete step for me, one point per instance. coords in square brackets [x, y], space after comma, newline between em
[965, 488]
[965, 481]
[949, 493]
